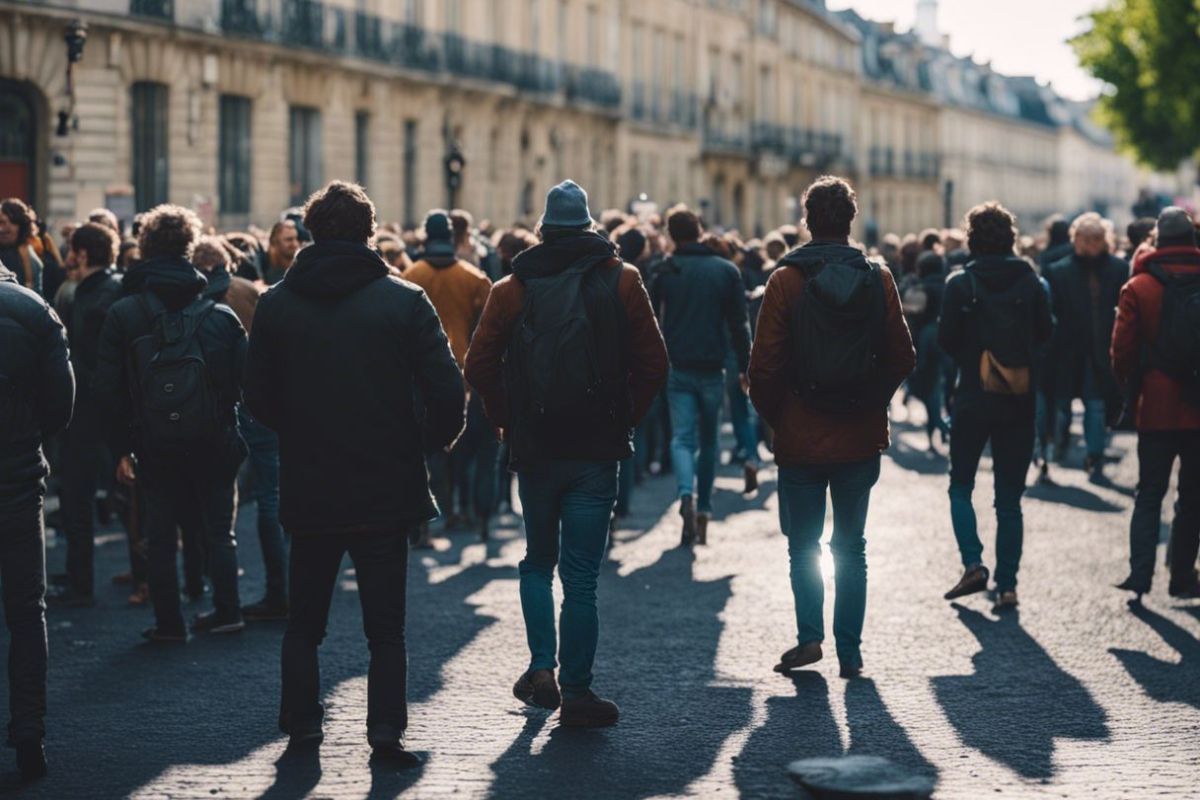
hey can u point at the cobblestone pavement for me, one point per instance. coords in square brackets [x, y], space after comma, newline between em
[1077, 696]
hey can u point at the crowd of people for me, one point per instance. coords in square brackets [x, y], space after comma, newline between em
[360, 382]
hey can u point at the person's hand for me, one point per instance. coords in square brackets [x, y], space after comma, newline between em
[126, 474]
[744, 382]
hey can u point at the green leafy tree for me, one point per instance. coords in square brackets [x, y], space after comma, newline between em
[1148, 53]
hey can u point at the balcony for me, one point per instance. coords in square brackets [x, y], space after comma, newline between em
[153, 9]
[725, 138]
[798, 146]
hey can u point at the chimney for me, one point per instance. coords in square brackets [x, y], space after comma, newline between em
[926, 26]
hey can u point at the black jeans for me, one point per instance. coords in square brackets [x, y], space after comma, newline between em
[175, 497]
[381, 565]
[83, 454]
[1157, 451]
[23, 576]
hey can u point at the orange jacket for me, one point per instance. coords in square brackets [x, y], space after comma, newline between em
[458, 292]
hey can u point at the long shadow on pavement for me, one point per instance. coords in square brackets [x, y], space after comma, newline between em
[1019, 700]
[656, 660]
[1165, 681]
[1074, 496]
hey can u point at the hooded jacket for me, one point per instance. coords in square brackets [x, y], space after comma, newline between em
[1085, 294]
[957, 334]
[1160, 403]
[805, 435]
[351, 367]
[176, 283]
[37, 389]
[696, 294]
[458, 291]
[645, 356]
[240, 294]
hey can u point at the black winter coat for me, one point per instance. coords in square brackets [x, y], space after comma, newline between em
[177, 283]
[1085, 294]
[338, 355]
[83, 315]
[37, 389]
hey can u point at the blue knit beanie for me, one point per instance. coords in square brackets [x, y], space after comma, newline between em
[439, 234]
[567, 206]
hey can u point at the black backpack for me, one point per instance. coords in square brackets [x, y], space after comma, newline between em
[837, 335]
[1004, 330]
[177, 405]
[565, 361]
[1176, 350]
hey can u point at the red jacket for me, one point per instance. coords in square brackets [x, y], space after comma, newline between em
[1160, 405]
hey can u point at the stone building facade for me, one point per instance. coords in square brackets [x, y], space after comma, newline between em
[242, 107]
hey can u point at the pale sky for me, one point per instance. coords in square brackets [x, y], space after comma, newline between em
[1019, 37]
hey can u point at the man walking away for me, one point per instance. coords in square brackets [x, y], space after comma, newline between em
[1156, 355]
[994, 315]
[697, 294]
[567, 359]
[830, 350]
[458, 291]
[85, 443]
[1085, 287]
[338, 352]
[169, 370]
[37, 389]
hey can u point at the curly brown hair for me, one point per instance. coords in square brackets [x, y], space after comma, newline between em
[19, 214]
[169, 231]
[830, 205]
[340, 211]
[991, 230]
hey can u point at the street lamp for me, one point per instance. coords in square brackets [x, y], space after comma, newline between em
[454, 165]
[75, 36]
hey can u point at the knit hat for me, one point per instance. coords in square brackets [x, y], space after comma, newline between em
[439, 235]
[567, 206]
[631, 243]
[1175, 228]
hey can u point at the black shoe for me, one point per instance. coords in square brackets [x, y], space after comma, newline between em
[1186, 591]
[216, 622]
[750, 475]
[688, 512]
[975, 579]
[266, 610]
[69, 598]
[160, 636]
[305, 737]
[485, 529]
[31, 761]
[588, 711]
[537, 688]
[1129, 585]
[393, 754]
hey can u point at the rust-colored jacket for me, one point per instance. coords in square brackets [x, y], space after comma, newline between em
[646, 354]
[804, 435]
[458, 292]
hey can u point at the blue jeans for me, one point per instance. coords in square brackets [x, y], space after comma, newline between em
[1008, 424]
[695, 400]
[802, 493]
[567, 506]
[1095, 433]
[263, 445]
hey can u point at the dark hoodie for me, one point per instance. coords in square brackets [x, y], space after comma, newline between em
[37, 389]
[352, 369]
[960, 338]
[176, 283]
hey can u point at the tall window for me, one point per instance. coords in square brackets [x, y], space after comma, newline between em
[305, 165]
[233, 154]
[148, 106]
[593, 31]
[563, 12]
[362, 145]
[410, 172]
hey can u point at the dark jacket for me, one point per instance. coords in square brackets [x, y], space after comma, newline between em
[1160, 403]
[803, 434]
[1085, 293]
[957, 333]
[339, 353]
[83, 317]
[644, 357]
[37, 389]
[176, 283]
[695, 294]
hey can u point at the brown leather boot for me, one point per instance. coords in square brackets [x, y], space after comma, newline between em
[687, 510]
[750, 473]
[702, 527]
[974, 580]
[537, 688]
[799, 656]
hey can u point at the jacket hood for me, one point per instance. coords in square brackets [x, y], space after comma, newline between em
[817, 252]
[6, 275]
[439, 261]
[218, 283]
[174, 280]
[1188, 258]
[334, 269]
[998, 273]
[560, 250]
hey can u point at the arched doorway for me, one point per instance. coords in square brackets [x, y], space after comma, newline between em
[18, 142]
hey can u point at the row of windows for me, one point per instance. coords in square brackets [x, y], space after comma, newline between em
[150, 149]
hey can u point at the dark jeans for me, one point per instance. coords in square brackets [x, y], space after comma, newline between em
[802, 492]
[83, 452]
[1157, 452]
[23, 576]
[174, 497]
[1008, 424]
[381, 568]
[567, 506]
[474, 463]
[263, 458]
